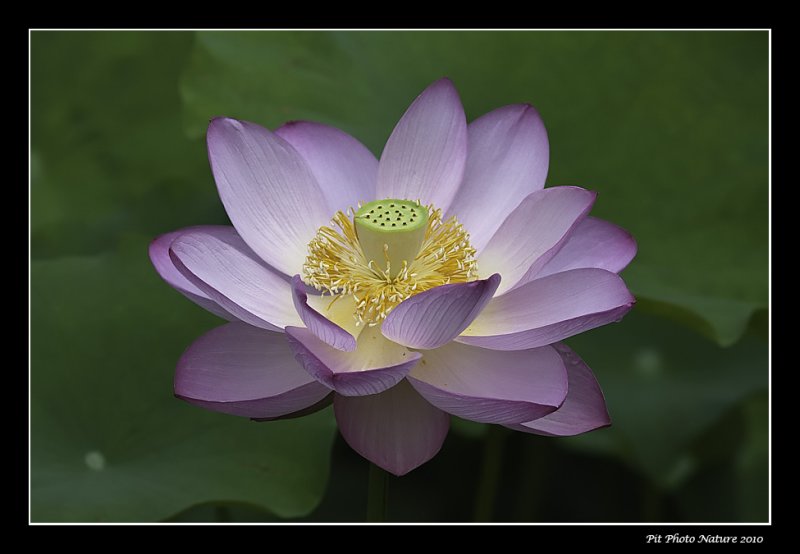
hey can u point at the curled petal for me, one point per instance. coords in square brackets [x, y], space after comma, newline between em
[435, 317]
[159, 256]
[376, 365]
[491, 386]
[314, 408]
[242, 370]
[593, 243]
[323, 328]
[583, 410]
[550, 309]
[218, 262]
[533, 233]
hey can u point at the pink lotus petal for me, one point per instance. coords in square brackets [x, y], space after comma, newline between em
[324, 329]
[396, 430]
[584, 408]
[533, 232]
[550, 309]
[425, 155]
[314, 408]
[159, 256]
[345, 170]
[492, 386]
[507, 160]
[268, 191]
[217, 261]
[242, 370]
[376, 365]
[433, 318]
[593, 243]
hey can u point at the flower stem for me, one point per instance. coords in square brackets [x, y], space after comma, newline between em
[377, 501]
[651, 503]
[490, 472]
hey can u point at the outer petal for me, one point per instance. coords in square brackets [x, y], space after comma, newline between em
[593, 243]
[584, 408]
[425, 155]
[435, 317]
[396, 430]
[345, 170]
[491, 386]
[268, 191]
[241, 370]
[507, 160]
[217, 261]
[550, 309]
[376, 365]
[532, 234]
[314, 408]
[323, 328]
[159, 256]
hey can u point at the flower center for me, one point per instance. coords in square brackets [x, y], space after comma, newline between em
[390, 250]
[391, 231]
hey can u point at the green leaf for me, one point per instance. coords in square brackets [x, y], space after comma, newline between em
[669, 127]
[109, 440]
[752, 462]
[109, 155]
[223, 512]
[665, 387]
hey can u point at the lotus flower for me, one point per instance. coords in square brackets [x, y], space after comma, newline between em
[435, 281]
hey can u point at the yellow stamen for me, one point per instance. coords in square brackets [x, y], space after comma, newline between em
[336, 265]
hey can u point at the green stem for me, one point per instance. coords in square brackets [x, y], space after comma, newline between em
[535, 460]
[490, 472]
[651, 503]
[377, 501]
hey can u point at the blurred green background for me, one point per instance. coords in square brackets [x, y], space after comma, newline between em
[671, 129]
